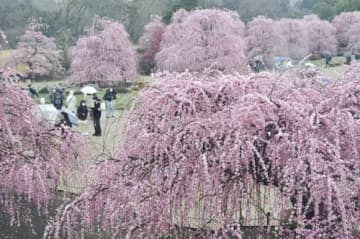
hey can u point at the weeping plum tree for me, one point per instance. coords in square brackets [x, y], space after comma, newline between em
[202, 38]
[263, 38]
[354, 37]
[344, 24]
[155, 25]
[289, 37]
[10, 75]
[148, 63]
[294, 40]
[350, 90]
[207, 149]
[150, 42]
[320, 35]
[33, 155]
[38, 52]
[104, 56]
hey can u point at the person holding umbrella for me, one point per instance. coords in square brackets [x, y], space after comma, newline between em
[89, 91]
[96, 110]
[357, 55]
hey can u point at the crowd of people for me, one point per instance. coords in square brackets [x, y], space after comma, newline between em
[89, 107]
[258, 64]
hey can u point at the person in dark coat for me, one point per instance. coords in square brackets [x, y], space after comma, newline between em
[109, 97]
[82, 111]
[58, 101]
[33, 91]
[348, 57]
[328, 59]
[66, 119]
[96, 110]
[259, 65]
[357, 55]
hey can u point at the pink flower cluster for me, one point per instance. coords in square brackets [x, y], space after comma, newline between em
[105, 56]
[200, 148]
[33, 154]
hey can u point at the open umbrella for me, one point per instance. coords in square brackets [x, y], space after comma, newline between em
[88, 90]
[258, 58]
[96, 86]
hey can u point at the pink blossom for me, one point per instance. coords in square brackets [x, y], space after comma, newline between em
[38, 52]
[33, 154]
[203, 145]
[294, 39]
[263, 38]
[321, 35]
[203, 38]
[105, 56]
[155, 25]
[345, 24]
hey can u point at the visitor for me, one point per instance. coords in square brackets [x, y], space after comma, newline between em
[96, 110]
[109, 97]
[66, 119]
[60, 90]
[348, 57]
[63, 122]
[357, 55]
[258, 65]
[71, 101]
[32, 91]
[52, 95]
[82, 111]
[58, 101]
[328, 59]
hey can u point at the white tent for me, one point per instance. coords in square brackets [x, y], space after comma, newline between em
[48, 113]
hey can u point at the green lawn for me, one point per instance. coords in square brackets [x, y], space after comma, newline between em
[335, 61]
[336, 70]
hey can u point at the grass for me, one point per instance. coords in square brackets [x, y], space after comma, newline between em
[100, 148]
[336, 61]
[333, 72]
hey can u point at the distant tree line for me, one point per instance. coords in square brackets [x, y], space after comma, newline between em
[328, 9]
[67, 18]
